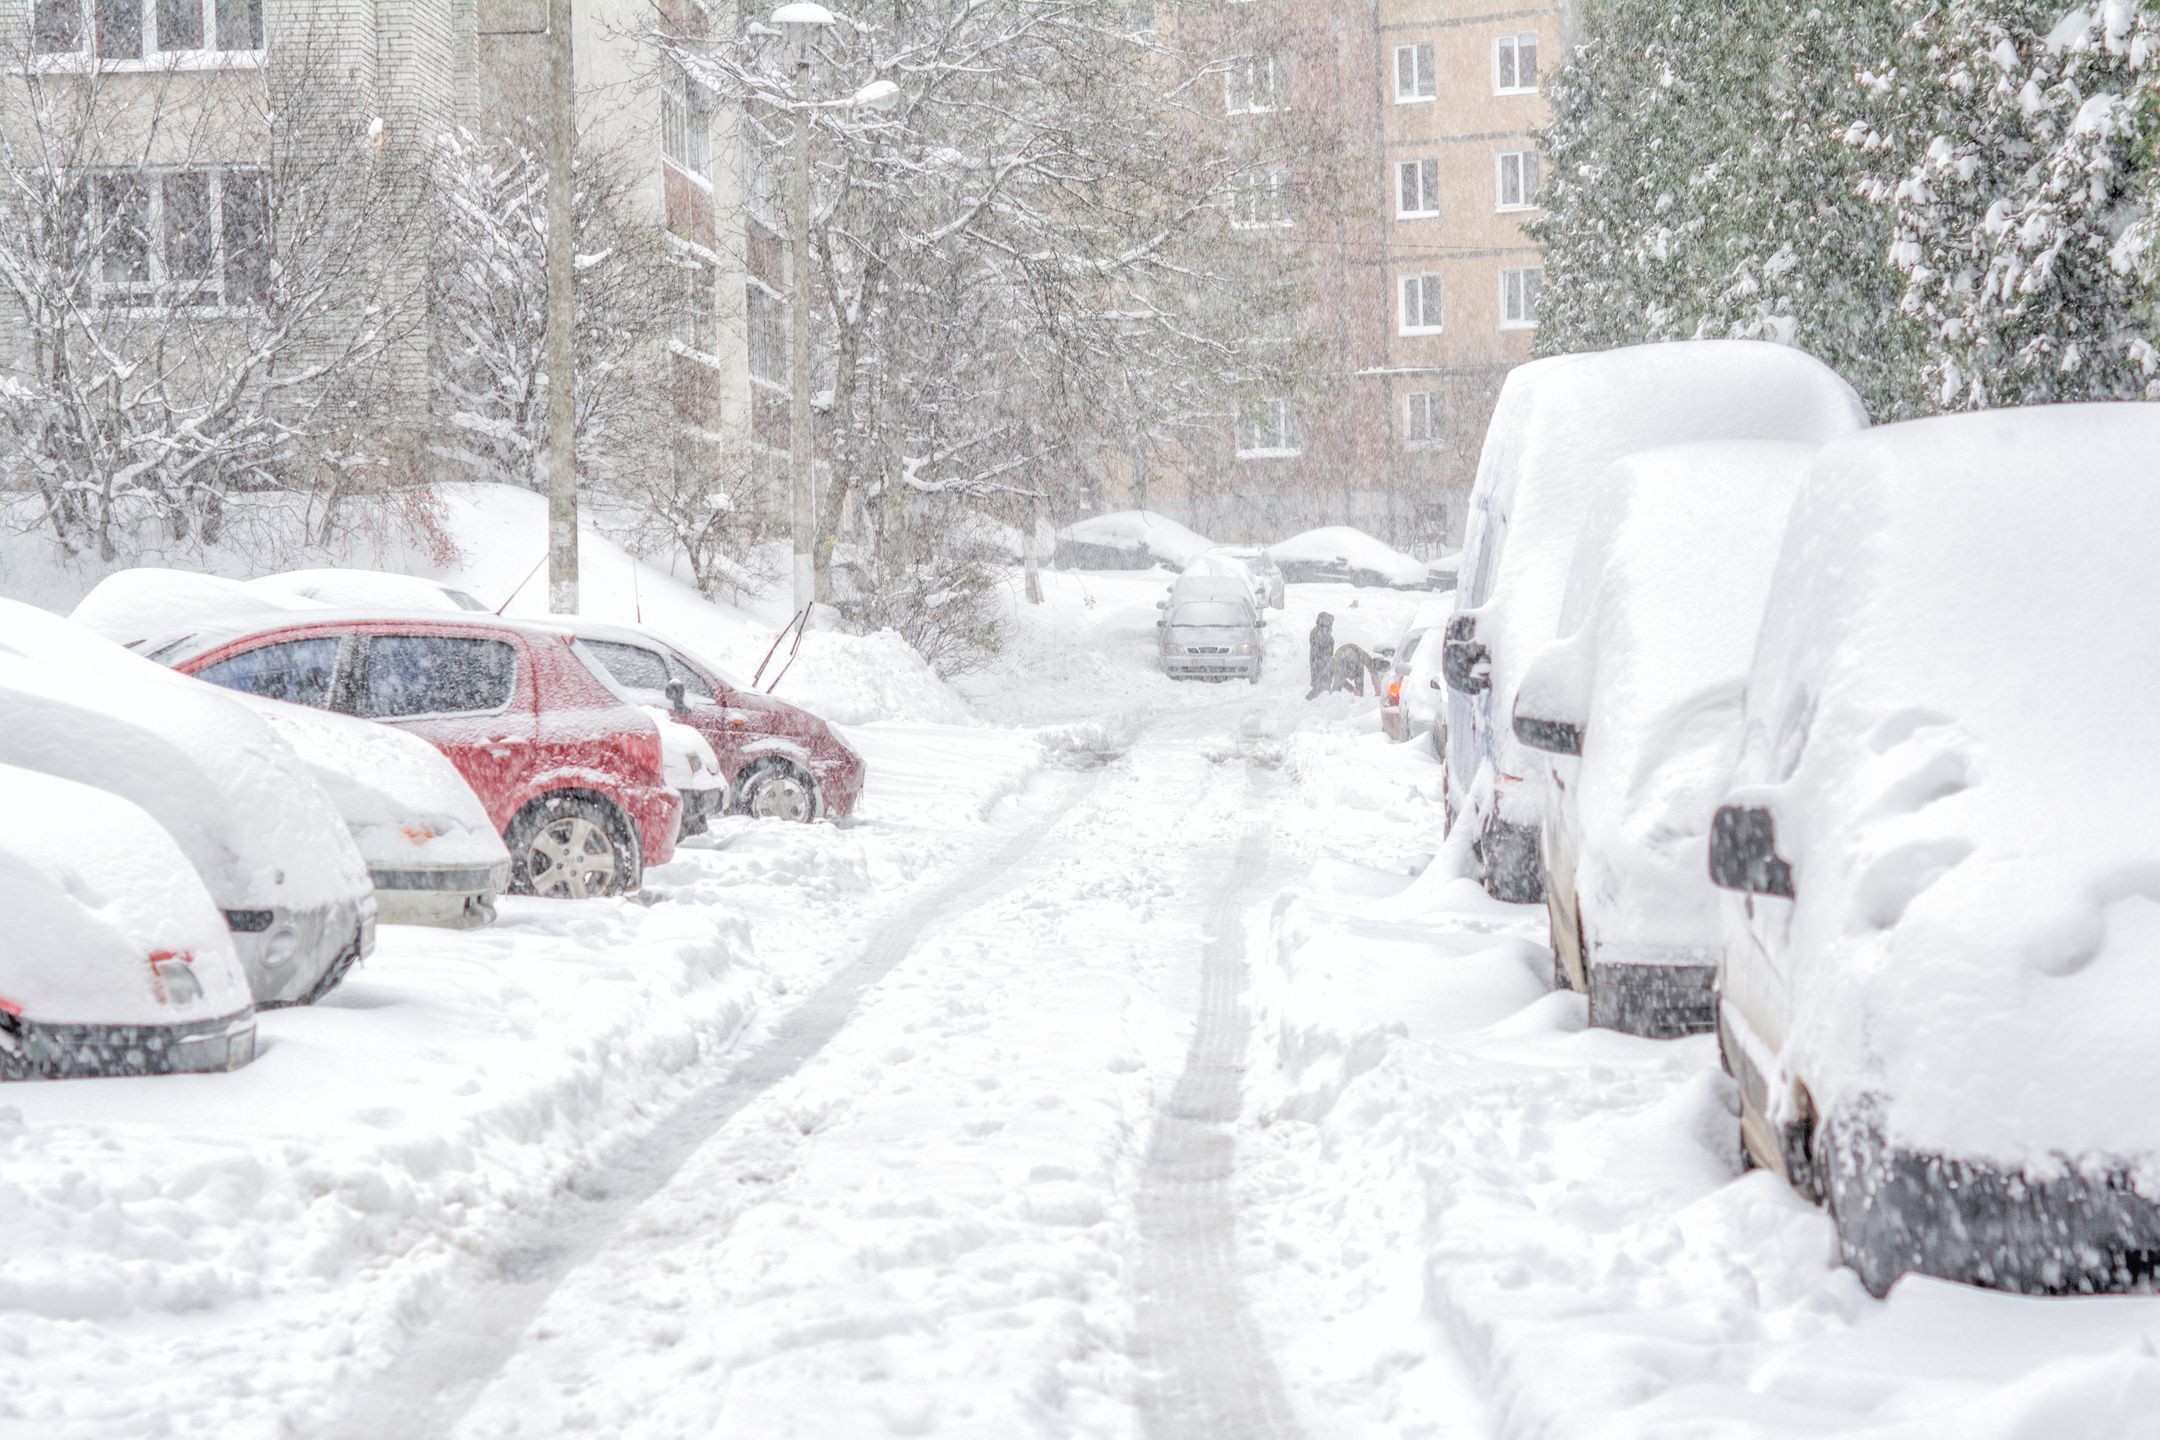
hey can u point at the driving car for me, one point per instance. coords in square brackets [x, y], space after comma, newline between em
[268, 844]
[571, 774]
[779, 761]
[1412, 698]
[1210, 631]
[1636, 710]
[1559, 422]
[1937, 978]
[114, 959]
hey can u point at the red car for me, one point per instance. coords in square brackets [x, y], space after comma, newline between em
[781, 763]
[570, 773]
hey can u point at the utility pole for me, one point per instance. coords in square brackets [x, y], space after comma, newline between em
[801, 453]
[561, 318]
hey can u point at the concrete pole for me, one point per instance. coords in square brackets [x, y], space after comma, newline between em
[801, 453]
[561, 318]
[1030, 561]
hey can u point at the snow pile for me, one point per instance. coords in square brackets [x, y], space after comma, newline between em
[1559, 423]
[1659, 627]
[91, 894]
[1957, 760]
[1140, 537]
[1353, 553]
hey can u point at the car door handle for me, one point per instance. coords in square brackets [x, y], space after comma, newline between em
[501, 745]
[1432, 684]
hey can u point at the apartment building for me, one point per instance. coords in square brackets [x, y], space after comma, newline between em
[1459, 105]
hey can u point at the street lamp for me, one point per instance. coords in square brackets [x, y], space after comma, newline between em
[800, 23]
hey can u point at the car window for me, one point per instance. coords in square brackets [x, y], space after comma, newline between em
[632, 666]
[693, 682]
[1408, 652]
[298, 671]
[1212, 616]
[436, 675]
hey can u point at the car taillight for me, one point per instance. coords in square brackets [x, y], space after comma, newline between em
[645, 752]
[1394, 691]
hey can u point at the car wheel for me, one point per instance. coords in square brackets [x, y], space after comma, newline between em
[573, 847]
[777, 790]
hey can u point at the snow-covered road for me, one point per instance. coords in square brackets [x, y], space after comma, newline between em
[1113, 1076]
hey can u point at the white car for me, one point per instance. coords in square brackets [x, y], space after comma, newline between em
[1412, 701]
[688, 761]
[113, 960]
[1941, 959]
[365, 590]
[1559, 423]
[1211, 630]
[129, 607]
[269, 845]
[1637, 707]
[431, 852]
[1249, 564]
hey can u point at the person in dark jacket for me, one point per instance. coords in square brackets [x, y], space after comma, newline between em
[1321, 649]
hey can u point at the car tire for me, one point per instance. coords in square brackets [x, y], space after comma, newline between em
[569, 846]
[777, 789]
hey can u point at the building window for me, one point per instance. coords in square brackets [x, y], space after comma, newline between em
[1271, 429]
[765, 328]
[1260, 199]
[1517, 181]
[1514, 64]
[141, 29]
[1422, 414]
[1420, 305]
[686, 123]
[694, 323]
[1413, 73]
[1256, 85]
[1417, 188]
[1519, 298]
[181, 239]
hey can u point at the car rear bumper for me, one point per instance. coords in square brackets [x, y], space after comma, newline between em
[1394, 724]
[1898, 1211]
[31, 1051]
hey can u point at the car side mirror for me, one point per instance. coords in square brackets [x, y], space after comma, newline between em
[1162, 624]
[1554, 737]
[678, 697]
[1467, 665]
[1162, 604]
[1743, 853]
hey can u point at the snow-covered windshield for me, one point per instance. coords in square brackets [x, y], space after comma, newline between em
[1211, 617]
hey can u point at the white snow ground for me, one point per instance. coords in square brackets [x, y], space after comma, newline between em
[1109, 1077]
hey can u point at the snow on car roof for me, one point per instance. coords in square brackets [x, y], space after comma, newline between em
[1951, 712]
[357, 589]
[91, 892]
[1159, 535]
[1354, 547]
[139, 604]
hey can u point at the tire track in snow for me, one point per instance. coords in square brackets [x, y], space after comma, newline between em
[442, 1369]
[1206, 1368]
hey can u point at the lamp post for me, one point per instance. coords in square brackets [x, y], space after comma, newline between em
[561, 340]
[800, 23]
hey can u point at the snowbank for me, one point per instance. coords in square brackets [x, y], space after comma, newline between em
[1948, 716]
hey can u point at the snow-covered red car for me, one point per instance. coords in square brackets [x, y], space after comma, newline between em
[571, 774]
[1637, 710]
[1559, 423]
[1941, 956]
[780, 762]
[265, 840]
[114, 959]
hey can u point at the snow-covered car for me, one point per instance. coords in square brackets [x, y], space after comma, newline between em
[1414, 696]
[1938, 978]
[1216, 565]
[778, 761]
[1210, 631]
[688, 761]
[1637, 708]
[113, 959]
[1558, 424]
[1128, 540]
[431, 852]
[365, 590]
[1267, 575]
[1345, 553]
[269, 845]
[129, 607]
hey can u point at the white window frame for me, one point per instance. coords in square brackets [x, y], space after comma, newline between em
[1255, 85]
[1426, 169]
[686, 111]
[1420, 304]
[153, 54]
[158, 292]
[1507, 64]
[1520, 289]
[1272, 431]
[765, 335]
[1424, 419]
[1522, 167]
[1424, 86]
[1260, 200]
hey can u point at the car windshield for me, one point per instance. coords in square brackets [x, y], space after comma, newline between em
[1211, 617]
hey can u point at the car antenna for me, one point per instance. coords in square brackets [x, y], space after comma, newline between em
[522, 583]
